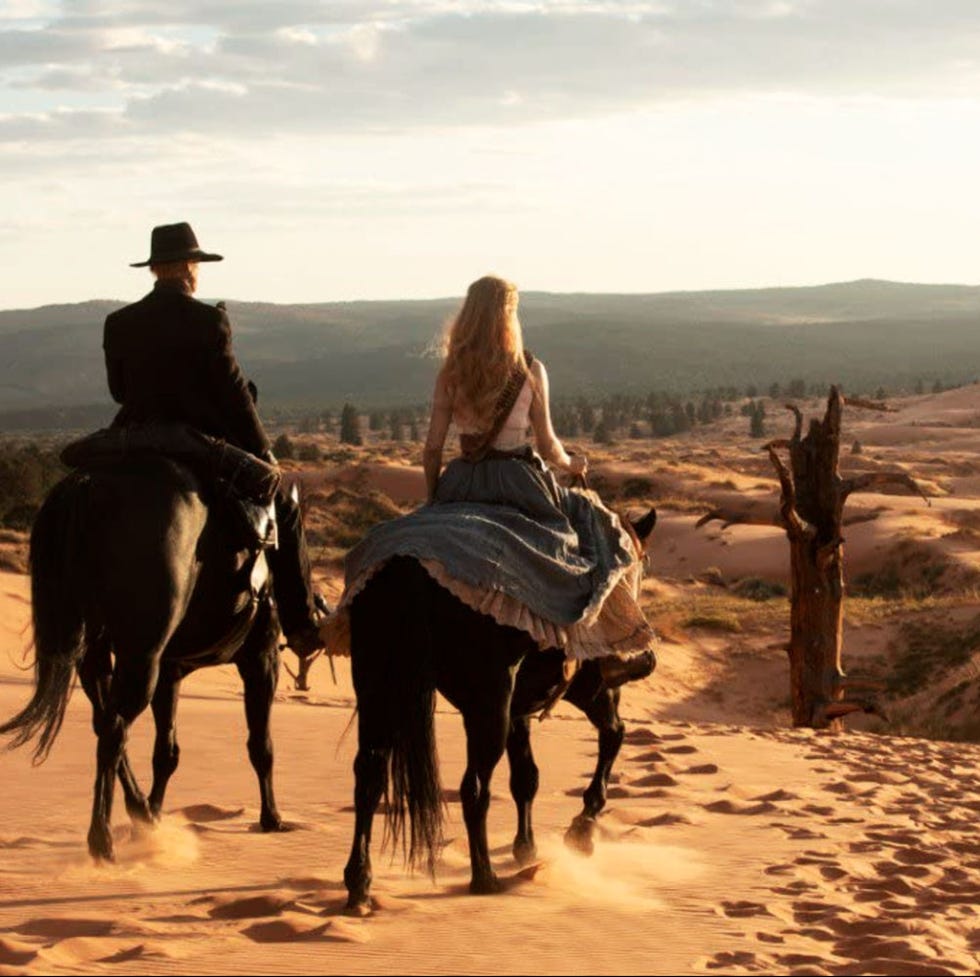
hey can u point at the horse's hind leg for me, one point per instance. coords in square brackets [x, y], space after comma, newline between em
[523, 786]
[487, 725]
[95, 672]
[374, 746]
[130, 691]
[258, 665]
[370, 775]
[166, 752]
[603, 712]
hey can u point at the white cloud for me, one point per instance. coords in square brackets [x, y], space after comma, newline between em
[376, 119]
[365, 65]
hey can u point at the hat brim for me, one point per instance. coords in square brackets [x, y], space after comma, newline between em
[165, 259]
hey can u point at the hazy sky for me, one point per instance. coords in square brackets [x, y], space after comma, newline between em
[368, 149]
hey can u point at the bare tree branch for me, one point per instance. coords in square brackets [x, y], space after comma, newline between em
[798, 430]
[873, 480]
[835, 412]
[792, 522]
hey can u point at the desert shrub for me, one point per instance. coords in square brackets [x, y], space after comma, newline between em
[283, 448]
[927, 649]
[714, 622]
[755, 588]
[635, 488]
[309, 451]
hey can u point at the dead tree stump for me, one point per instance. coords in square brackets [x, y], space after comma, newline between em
[811, 510]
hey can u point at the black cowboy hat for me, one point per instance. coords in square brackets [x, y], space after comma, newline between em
[174, 242]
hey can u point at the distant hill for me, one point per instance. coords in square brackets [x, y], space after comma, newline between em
[863, 334]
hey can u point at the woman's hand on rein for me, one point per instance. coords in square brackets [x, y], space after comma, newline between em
[578, 465]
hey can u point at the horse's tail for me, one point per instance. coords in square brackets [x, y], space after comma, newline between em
[406, 693]
[59, 628]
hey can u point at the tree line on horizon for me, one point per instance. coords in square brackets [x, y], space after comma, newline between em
[30, 467]
[603, 419]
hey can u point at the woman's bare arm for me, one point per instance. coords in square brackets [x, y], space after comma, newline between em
[442, 415]
[549, 446]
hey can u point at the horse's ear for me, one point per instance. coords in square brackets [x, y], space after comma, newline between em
[644, 526]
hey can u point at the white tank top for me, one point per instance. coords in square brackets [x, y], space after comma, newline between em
[513, 435]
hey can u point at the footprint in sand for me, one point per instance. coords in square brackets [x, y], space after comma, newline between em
[743, 909]
[733, 958]
[702, 768]
[777, 795]
[651, 756]
[783, 869]
[919, 856]
[728, 806]
[654, 780]
[661, 820]
[809, 912]
[209, 813]
[799, 834]
[641, 737]
[818, 809]
[129, 954]
[14, 953]
[293, 928]
[251, 907]
[797, 888]
[889, 869]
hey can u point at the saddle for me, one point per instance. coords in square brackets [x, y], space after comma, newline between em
[248, 482]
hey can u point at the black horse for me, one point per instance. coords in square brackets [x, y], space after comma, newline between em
[139, 577]
[411, 637]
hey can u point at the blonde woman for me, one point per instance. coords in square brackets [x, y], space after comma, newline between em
[486, 367]
[499, 532]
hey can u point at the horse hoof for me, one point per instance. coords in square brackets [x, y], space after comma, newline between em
[102, 852]
[525, 852]
[488, 886]
[580, 837]
[143, 815]
[275, 824]
[359, 906]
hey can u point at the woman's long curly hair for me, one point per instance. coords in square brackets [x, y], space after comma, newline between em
[483, 345]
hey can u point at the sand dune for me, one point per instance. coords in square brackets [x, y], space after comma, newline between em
[725, 848]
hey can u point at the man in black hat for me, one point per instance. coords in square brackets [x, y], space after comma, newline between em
[169, 358]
